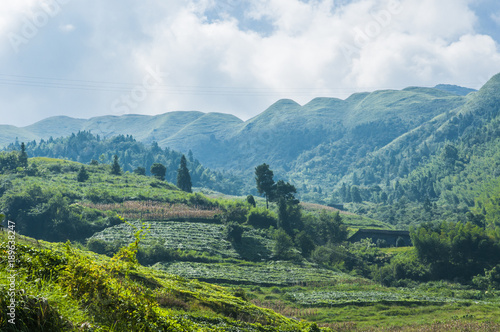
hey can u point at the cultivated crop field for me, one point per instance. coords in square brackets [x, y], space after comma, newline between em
[151, 210]
[278, 273]
[338, 298]
[200, 237]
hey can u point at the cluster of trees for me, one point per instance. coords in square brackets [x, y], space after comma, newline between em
[157, 170]
[454, 251]
[86, 148]
[10, 162]
[293, 227]
[52, 215]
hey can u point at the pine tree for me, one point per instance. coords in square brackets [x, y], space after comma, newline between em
[82, 175]
[183, 177]
[23, 157]
[115, 168]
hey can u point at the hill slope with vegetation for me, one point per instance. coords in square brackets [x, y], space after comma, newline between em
[411, 155]
[292, 258]
[325, 137]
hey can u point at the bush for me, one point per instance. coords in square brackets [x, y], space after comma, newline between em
[235, 213]
[261, 218]
[283, 245]
[490, 279]
[381, 243]
[251, 200]
[103, 247]
[100, 196]
[401, 269]
[154, 253]
[233, 232]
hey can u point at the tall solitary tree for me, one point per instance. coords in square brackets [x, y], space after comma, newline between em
[115, 168]
[265, 182]
[183, 177]
[158, 171]
[23, 156]
[83, 175]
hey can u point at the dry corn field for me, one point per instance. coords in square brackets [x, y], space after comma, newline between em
[151, 210]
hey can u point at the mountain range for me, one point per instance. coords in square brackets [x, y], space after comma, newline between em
[368, 139]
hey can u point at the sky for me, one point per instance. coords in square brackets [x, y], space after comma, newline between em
[87, 58]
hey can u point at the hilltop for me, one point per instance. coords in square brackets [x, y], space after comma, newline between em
[326, 136]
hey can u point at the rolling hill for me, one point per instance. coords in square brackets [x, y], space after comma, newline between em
[372, 140]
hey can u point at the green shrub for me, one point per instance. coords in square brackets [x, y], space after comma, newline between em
[235, 212]
[261, 218]
[233, 232]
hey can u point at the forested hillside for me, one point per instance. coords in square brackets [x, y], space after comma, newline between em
[418, 147]
[296, 259]
[287, 135]
[134, 156]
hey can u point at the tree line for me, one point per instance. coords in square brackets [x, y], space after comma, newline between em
[87, 148]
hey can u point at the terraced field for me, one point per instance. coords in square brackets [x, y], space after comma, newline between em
[201, 237]
[388, 296]
[272, 273]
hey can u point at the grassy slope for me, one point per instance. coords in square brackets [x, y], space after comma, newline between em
[295, 290]
[68, 289]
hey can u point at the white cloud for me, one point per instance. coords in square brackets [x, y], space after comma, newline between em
[67, 28]
[315, 48]
[496, 17]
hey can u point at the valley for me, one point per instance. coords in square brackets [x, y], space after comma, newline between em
[259, 238]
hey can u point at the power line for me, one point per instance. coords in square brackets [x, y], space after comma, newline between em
[108, 86]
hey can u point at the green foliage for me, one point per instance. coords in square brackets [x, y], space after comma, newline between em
[141, 171]
[233, 232]
[487, 209]
[128, 254]
[403, 267]
[326, 228]
[261, 218]
[283, 245]
[83, 175]
[289, 216]
[305, 243]
[490, 279]
[65, 289]
[265, 182]
[183, 177]
[236, 212]
[158, 170]
[9, 162]
[23, 156]
[115, 167]
[48, 214]
[251, 200]
[455, 250]
[84, 147]
[283, 191]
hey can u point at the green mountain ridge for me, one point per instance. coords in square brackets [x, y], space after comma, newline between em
[318, 146]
